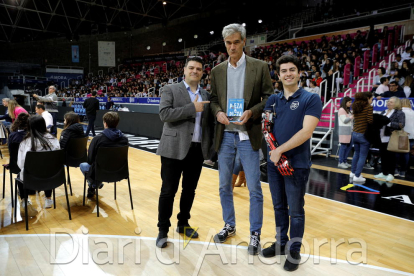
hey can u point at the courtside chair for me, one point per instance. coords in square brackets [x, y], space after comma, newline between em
[76, 153]
[12, 167]
[111, 165]
[44, 170]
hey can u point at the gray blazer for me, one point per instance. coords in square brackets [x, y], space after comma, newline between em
[177, 111]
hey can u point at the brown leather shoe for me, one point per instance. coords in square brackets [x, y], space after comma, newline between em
[233, 182]
[242, 180]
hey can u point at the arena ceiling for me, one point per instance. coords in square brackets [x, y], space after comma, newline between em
[26, 20]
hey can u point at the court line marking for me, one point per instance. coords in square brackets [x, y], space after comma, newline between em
[204, 243]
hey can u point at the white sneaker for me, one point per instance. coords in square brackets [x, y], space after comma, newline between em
[381, 175]
[48, 203]
[359, 179]
[389, 178]
[31, 211]
[348, 165]
[342, 166]
[351, 175]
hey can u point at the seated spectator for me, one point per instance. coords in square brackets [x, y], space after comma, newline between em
[37, 139]
[40, 110]
[313, 88]
[71, 129]
[406, 54]
[407, 86]
[15, 109]
[382, 88]
[110, 137]
[377, 79]
[317, 79]
[278, 87]
[395, 91]
[398, 60]
[18, 132]
[398, 77]
[7, 120]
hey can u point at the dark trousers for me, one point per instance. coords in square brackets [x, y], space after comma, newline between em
[53, 129]
[91, 124]
[288, 196]
[171, 171]
[387, 160]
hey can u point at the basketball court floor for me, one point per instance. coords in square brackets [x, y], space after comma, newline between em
[350, 229]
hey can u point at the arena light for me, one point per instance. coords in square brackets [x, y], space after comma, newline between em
[211, 32]
[164, 3]
[180, 40]
[260, 21]
[164, 43]
[148, 47]
[195, 36]
[244, 24]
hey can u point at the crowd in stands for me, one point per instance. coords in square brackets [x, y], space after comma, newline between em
[320, 59]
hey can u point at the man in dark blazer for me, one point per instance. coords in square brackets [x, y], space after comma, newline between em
[184, 145]
[241, 77]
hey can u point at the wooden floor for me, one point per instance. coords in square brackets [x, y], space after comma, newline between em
[388, 241]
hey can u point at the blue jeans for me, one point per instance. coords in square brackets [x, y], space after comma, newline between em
[250, 161]
[288, 191]
[361, 147]
[344, 152]
[237, 165]
[84, 167]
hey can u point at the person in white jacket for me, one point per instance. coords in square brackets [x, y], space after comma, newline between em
[38, 139]
[403, 159]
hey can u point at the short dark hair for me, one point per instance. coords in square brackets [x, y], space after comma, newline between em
[382, 70]
[94, 93]
[194, 58]
[383, 79]
[40, 106]
[111, 119]
[394, 82]
[286, 59]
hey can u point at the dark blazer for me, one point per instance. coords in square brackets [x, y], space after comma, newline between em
[397, 118]
[177, 111]
[257, 88]
[372, 134]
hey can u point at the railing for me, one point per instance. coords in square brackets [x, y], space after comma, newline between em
[320, 90]
[328, 132]
[400, 50]
[372, 72]
[348, 91]
[391, 58]
[358, 85]
[407, 43]
[382, 63]
[334, 76]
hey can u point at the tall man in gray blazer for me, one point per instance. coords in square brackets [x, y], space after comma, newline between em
[184, 145]
[241, 77]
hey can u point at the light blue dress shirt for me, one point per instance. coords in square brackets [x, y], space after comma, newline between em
[197, 127]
